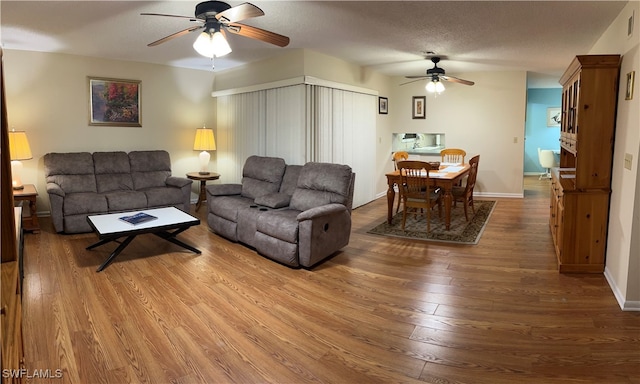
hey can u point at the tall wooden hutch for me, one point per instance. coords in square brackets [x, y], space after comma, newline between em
[581, 186]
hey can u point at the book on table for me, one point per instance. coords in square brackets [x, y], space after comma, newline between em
[138, 218]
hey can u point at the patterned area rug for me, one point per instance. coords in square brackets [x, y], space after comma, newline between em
[461, 232]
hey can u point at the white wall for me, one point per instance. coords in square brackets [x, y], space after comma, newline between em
[47, 96]
[623, 243]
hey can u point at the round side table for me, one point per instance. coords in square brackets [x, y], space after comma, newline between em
[203, 178]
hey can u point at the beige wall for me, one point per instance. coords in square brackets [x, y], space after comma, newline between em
[47, 96]
[487, 118]
[623, 244]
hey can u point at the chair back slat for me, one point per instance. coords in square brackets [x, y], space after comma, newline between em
[453, 155]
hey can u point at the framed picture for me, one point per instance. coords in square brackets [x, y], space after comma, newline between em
[383, 105]
[553, 117]
[417, 111]
[629, 94]
[114, 102]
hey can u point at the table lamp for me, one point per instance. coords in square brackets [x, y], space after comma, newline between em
[18, 150]
[204, 142]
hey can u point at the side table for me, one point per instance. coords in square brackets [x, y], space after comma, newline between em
[29, 194]
[203, 178]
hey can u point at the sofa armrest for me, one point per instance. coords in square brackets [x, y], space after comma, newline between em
[178, 182]
[224, 189]
[55, 189]
[323, 210]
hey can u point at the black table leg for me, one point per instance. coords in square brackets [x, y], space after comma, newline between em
[115, 253]
[171, 237]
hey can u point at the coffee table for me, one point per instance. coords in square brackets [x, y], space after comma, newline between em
[110, 228]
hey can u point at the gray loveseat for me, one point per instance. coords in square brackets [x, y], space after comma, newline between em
[296, 215]
[80, 184]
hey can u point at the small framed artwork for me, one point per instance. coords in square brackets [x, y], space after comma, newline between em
[630, 78]
[383, 105]
[114, 102]
[417, 112]
[553, 117]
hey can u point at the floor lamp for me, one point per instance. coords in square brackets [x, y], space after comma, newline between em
[19, 150]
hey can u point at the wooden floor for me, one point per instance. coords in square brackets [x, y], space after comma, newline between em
[384, 310]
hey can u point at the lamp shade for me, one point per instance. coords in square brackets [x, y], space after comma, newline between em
[211, 44]
[205, 141]
[19, 146]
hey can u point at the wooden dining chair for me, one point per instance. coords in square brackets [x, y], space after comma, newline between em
[416, 191]
[396, 157]
[399, 156]
[453, 155]
[464, 194]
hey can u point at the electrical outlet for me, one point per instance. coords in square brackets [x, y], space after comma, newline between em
[628, 158]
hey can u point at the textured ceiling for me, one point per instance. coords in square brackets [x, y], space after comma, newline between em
[537, 36]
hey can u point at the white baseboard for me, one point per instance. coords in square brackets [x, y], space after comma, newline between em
[624, 304]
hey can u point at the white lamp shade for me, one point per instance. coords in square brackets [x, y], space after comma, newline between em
[439, 87]
[211, 45]
[19, 146]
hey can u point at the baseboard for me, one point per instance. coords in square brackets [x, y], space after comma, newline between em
[624, 304]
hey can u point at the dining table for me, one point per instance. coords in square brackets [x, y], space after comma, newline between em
[445, 178]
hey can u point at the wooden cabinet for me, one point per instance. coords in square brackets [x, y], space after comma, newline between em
[11, 313]
[12, 354]
[581, 186]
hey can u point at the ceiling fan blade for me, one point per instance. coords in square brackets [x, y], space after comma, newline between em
[456, 80]
[177, 34]
[162, 14]
[239, 12]
[259, 34]
[414, 77]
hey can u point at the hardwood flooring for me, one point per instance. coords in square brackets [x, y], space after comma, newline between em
[384, 310]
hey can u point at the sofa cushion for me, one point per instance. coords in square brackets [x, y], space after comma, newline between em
[262, 175]
[228, 206]
[320, 184]
[113, 172]
[125, 200]
[149, 168]
[281, 224]
[73, 172]
[290, 179]
[163, 196]
[84, 202]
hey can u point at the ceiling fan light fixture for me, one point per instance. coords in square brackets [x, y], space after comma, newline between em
[212, 44]
[435, 86]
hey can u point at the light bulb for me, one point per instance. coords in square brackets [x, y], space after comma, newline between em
[439, 87]
[431, 87]
[211, 45]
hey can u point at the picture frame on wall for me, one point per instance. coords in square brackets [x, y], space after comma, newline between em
[114, 102]
[418, 108]
[630, 79]
[383, 105]
[554, 116]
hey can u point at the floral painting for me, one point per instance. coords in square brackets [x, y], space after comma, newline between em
[114, 102]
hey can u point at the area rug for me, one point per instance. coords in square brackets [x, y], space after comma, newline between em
[461, 231]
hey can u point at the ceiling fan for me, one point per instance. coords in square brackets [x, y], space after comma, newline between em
[213, 18]
[436, 75]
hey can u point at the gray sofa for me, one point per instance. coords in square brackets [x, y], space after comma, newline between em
[80, 184]
[296, 215]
